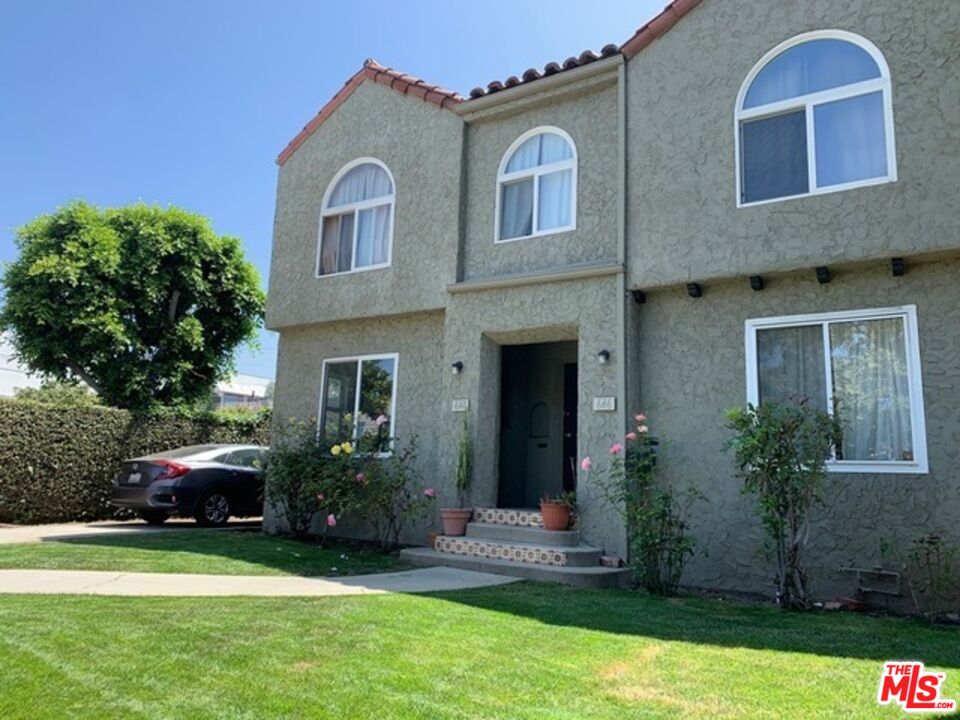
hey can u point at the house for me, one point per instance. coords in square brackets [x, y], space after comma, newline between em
[243, 391]
[13, 375]
[743, 201]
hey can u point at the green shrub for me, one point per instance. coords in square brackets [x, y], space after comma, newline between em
[58, 461]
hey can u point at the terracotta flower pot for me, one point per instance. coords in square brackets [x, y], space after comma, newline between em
[455, 520]
[556, 516]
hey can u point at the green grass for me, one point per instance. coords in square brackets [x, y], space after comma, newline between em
[218, 552]
[518, 651]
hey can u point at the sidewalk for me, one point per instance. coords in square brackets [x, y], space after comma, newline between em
[89, 582]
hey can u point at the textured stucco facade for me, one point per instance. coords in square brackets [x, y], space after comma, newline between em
[656, 209]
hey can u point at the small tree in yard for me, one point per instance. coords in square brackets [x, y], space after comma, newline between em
[145, 305]
[781, 450]
[395, 495]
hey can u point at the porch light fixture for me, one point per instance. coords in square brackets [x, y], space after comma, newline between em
[898, 266]
[457, 367]
[756, 282]
[638, 296]
[694, 290]
[823, 275]
[603, 357]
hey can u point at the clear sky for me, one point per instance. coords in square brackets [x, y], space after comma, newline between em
[189, 103]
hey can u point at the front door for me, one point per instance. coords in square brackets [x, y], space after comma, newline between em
[538, 422]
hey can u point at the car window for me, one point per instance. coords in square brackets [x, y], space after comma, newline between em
[244, 458]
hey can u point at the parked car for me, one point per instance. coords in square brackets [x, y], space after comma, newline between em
[210, 483]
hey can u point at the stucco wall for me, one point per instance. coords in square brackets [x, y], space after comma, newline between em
[419, 341]
[478, 323]
[691, 368]
[589, 116]
[421, 145]
[683, 222]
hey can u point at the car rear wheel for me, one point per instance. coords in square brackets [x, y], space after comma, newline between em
[213, 509]
[153, 517]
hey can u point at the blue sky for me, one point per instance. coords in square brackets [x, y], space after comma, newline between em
[188, 103]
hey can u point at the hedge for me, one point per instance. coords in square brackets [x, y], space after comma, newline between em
[57, 462]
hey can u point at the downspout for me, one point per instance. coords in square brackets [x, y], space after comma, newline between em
[622, 240]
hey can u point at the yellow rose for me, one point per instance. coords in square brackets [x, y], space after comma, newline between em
[347, 447]
[335, 450]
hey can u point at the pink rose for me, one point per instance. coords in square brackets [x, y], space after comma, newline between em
[631, 436]
[319, 497]
[429, 492]
[381, 420]
[361, 478]
[641, 417]
[331, 520]
[586, 464]
[616, 449]
[642, 428]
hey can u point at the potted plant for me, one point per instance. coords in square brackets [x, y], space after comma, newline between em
[555, 512]
[455, 519]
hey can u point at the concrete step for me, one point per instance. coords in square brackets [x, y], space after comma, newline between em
[508, 516]
[517, 533]
[593, 577]
[521, 552]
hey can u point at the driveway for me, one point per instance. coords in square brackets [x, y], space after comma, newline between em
[40, 533]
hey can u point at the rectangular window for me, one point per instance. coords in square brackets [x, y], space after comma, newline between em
[774, 156]
[358, 401]
[851, 141]
[863, 366]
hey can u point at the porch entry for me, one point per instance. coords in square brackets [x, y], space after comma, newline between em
[538, 422]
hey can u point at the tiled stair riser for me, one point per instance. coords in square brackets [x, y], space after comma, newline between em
[496, 551]
[501, 516]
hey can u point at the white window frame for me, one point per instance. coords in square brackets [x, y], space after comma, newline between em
[359, 359]
[808, 103]
[908, 313]
[505, 178]
[354, 209]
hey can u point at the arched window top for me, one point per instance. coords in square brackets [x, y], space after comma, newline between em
[356, 220]
[811, 67]
[365, 181]
[537, 185]
[815, 115]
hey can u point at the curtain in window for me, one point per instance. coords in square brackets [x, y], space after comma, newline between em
[373, 235]
[363, 182]
[871, 391]
[790, 365]
[556, 195]
[516, 213]
[336, 249]
[850, 139]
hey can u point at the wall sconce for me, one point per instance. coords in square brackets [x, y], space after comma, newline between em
[457, 367]
[694, 290]
[638, 296]
[603, 357]
[823, 275]
[898, 266]
[756, 282]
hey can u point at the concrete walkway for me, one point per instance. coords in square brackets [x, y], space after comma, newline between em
[94, 582]
[40, 533]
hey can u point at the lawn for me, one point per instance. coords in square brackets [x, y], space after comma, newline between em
[219, 552]
[517, 651]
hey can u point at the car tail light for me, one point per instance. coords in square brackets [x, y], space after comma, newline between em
[171, 469]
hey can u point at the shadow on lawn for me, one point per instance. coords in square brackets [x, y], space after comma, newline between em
[722, 623]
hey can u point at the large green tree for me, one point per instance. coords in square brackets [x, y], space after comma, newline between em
[144, 304]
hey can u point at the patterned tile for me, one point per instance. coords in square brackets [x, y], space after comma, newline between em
[506, 516]
[532, 554]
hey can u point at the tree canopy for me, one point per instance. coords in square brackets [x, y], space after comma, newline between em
[144, 304]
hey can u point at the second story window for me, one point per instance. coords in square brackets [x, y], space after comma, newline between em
[537, 185]
[815, 115]
[356, 227]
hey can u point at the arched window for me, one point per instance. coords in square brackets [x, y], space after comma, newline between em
[537, 185]
[813, 116]
[356, 227]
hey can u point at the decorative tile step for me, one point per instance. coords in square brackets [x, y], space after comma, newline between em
[508, 516]
[593, 577]
[518, 552]
[518, 533]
